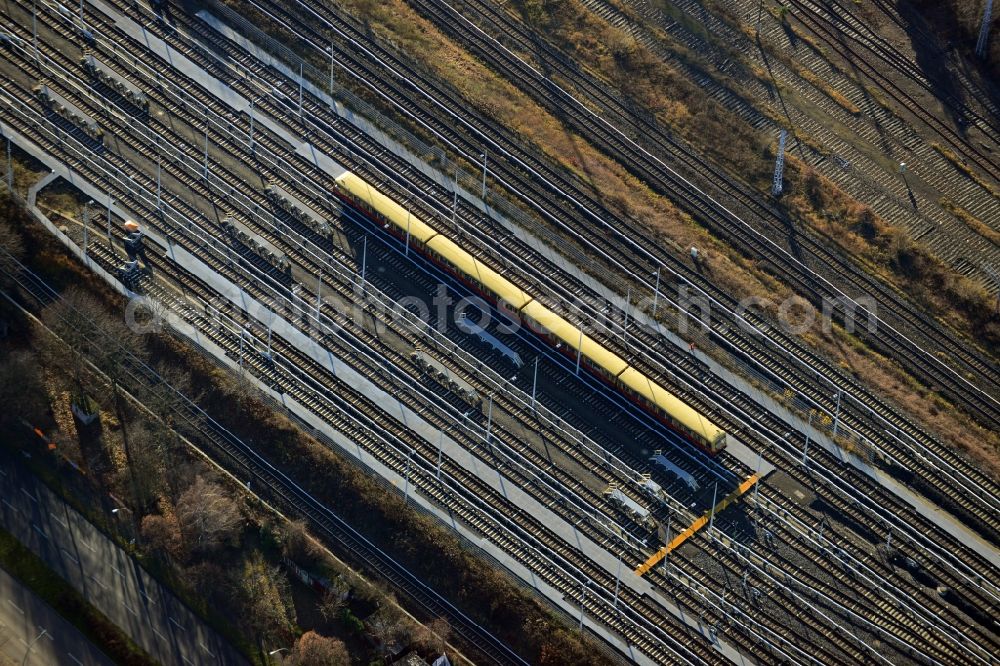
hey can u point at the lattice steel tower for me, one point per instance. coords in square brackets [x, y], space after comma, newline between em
[779, 165]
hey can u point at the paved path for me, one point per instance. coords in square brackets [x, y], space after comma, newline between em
[105, 574]
[33, 633]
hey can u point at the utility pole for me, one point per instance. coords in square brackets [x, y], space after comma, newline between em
[319, 293]
[364, 261]
[656, 291]
[484, 178]
[756, 485]
[251, 124]
[300, 90]
[805, 450]
[779, 165]
[331, 75]
[158, 159]
[711, 519]
[270, 321]
[534, 385]
[489, 422]
[27, 652]
[984, 31]
[579, 349]
[440, 452]
[10, 169]
[628, 303]
[406, 481]
[836, 415]
[407, 227]
[666, 554]
[206, 142]
[110, 245]
[618, 578]
[454, 200]
[86, 226]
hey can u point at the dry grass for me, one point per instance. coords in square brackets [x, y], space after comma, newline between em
[888, 252]
[980, 445]
[658, 87]
[619, 189]
[971, 221]
[949, 155]
[817, 82]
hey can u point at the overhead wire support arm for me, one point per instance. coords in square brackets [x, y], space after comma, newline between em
[984, 30]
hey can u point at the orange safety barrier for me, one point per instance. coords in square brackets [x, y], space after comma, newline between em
[699, 522]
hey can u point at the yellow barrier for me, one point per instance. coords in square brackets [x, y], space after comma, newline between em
[696, 525]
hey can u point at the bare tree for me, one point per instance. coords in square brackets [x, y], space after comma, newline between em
[87, 333]
[169, 396]
[11, 252]
[334, 599]
[433, 636]
[145, 471]
[72, 320]
[22, 394]
[265, 597]
[208, 518]
[163, 534]
[297, 545]
[385, 627]
[312, 649]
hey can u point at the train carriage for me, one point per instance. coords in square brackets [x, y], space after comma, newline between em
[561, 333]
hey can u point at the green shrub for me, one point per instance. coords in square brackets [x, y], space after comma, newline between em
[352, 622]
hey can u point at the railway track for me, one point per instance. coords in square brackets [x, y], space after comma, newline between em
[948, 178]
[651, 135]
[828, 404]
[963, 247]
[290, 372]
[832, 21]
[290, 495]
[593, 605]
[911, 611]
[313, 266]
[241, 355]
[313, 263]
[247, 360]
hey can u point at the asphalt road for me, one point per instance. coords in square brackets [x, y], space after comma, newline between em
[105, 574]
[31, 632]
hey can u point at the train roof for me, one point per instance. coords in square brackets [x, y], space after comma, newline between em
[570, 334]
[476, 269]
[671, 404]
[523, 302]
[396, 214]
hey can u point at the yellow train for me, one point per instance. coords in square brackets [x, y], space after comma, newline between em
[607, 366]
